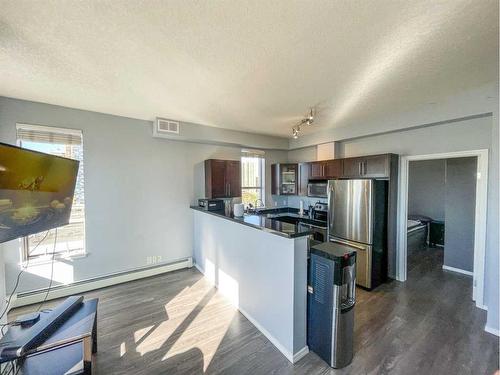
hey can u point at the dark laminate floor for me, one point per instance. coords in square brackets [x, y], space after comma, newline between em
[178, 324]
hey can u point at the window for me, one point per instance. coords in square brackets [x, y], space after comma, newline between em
[70, 238]
[252, 178]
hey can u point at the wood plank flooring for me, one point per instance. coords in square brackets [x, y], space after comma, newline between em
[178, 324]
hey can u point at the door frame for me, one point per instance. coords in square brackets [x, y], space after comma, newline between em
[480, 216]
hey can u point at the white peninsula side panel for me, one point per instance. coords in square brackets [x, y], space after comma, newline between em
[263, 274]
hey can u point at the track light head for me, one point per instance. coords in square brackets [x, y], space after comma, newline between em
[307, 120]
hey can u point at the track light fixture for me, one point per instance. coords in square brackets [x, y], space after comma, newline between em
[307, 120]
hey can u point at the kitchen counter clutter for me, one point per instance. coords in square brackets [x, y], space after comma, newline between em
[284, 222]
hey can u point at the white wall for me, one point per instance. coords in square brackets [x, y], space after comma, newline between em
[492, 236]
[250, 274]
[137, 191]
[302, 154]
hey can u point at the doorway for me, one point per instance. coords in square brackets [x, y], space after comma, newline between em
[479, 212]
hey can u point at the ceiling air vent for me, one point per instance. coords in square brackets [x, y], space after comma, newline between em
[164, 127]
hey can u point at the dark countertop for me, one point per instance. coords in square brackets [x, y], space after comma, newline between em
[263, 221]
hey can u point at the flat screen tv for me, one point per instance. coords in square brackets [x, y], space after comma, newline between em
[36, 191]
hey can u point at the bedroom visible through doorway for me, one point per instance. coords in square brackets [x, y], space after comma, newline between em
[441, 212]
[441, 218]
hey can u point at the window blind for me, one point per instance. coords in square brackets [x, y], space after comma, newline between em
[252, 153]
[48, 134]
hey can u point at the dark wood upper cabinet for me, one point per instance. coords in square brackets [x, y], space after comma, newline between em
[304, 171]
[376, 166]
[326, 169]
[317, 168]
[333, 168]
[222, 178]
[352, 167]
[284, 179]
[233, 178]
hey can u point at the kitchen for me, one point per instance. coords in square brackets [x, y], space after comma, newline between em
[355, 207]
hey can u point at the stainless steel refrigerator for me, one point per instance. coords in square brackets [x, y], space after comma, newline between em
[357, 217]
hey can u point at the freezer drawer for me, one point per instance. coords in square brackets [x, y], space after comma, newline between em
[363, 261]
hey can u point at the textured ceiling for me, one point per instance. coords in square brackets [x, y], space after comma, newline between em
[255, 66]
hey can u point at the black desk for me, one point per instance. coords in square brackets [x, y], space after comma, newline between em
[68, 350]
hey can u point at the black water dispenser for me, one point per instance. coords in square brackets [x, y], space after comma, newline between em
[330, 302]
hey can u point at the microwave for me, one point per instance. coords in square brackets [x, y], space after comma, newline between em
[211, 204]
[317, 189]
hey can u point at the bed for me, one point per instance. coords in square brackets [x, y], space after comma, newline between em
[417, 233]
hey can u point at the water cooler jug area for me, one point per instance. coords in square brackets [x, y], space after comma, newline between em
[330, 302]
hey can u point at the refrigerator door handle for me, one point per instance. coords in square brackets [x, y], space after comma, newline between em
[331, 197]
[348, 243]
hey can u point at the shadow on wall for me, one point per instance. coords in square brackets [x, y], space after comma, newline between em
[198, 181]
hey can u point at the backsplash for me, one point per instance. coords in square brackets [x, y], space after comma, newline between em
[294, 201]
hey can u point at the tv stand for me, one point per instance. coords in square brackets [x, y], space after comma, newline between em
[68, 344]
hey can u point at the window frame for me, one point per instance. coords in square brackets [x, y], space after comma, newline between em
[261, 172]
[25, 241]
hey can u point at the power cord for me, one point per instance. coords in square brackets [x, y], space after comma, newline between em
[51, 274]
[19, 275]
[11, 369]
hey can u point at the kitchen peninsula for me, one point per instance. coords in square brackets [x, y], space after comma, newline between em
[260, 264]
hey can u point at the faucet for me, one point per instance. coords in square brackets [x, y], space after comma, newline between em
[257, 203]
[310, 211]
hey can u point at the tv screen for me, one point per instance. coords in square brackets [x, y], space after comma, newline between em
[36, 191]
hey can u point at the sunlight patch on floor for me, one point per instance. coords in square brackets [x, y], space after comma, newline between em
[139, 334]
[177, 311]
[208, 339]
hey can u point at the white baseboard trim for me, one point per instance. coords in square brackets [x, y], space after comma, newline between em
[458, 270]
[493, 331]
[300, 354]
[291, 357]
[482, 307]
[28, 298]
[268, 335]
[197, 266]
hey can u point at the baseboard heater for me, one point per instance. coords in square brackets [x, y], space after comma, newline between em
[82, 286]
